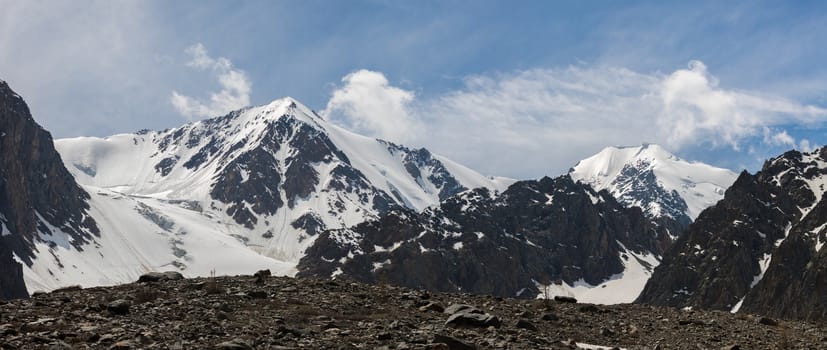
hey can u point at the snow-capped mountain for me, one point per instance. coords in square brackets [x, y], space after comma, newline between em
[549, 236]
[655, 180]
[760, 249]
[233, 194]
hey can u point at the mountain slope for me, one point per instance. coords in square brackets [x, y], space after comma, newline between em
[248, 190]
[551, 235]
[651, 178]
[759, 249]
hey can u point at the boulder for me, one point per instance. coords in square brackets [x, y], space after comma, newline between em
[467, 319]
[161, 276]
[526, 324]
[118, 307]
[461, 308]
[432, 306]
[453, 343]
[261, 275]
[565, 299]
[235, 344]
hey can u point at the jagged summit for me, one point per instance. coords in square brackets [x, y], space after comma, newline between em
[650, 177]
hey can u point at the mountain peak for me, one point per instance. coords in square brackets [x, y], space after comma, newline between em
[650, 177]
[285, 106]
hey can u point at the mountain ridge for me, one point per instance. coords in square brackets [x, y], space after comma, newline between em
[538, 236]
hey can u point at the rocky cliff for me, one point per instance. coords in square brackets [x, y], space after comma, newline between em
[759, 249]
[550, 233]
[37, 195]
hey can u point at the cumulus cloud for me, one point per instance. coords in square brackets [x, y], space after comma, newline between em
[367, 103]
[235, 87]
[542, 121]
[696, 108]
[780, 138]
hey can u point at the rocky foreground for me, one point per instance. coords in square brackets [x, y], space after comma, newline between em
[262, 312]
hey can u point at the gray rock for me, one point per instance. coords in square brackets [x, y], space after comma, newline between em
[235, 344]
[550, 317]
[257, 294]
[261, 275]
[68, 289]
[565, 299]
[468, 319]
[461, 308]
[453, 343]
[768, 321]
[118, 307]
[60, 345]
[121, 345]
[160, 276]
[526, 324]
[589, 308]
[432, 306]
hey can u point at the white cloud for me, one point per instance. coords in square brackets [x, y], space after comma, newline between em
[84, 67]
[779, 138]
[367, 103]
[541, 121]
[696, 109]
[805, 145]
[235, 87]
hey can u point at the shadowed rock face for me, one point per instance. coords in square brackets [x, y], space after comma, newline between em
[760, 246]
[542, 231]
[36, 192]
[11, 276]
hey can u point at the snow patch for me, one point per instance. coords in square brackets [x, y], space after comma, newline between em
[620, 288]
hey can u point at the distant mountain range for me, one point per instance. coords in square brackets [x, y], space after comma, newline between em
[276, 186]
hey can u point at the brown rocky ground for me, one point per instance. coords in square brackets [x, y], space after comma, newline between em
[287, 313]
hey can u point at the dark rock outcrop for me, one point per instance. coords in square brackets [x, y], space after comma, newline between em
[11, 276]
[36, 190]
[536, 232]
[759, 249]
[421, 165]
[37, 193]
[160, 276]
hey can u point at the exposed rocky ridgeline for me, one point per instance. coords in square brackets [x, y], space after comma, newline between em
[248, 312]
[670, 190]
[423, 166]
[39, 200]
[757, 250]
[534, 234]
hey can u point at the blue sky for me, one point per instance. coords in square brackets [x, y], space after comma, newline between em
[520, 89]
